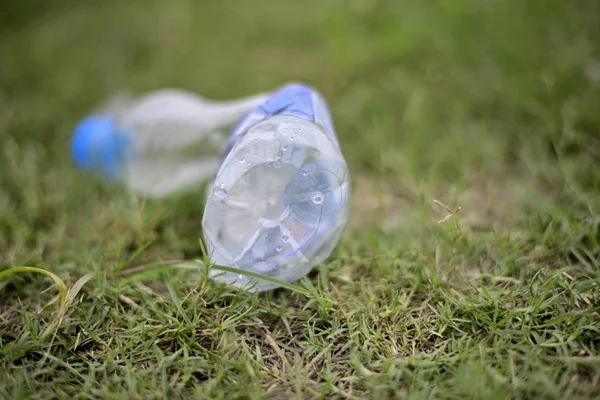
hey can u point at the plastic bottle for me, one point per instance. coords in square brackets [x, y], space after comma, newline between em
[165, 141]
[280, 199]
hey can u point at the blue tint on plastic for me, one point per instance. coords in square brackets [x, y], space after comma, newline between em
[292, 99]
[98, 145]
[295, 99]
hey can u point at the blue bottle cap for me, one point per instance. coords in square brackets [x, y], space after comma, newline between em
[98, 146]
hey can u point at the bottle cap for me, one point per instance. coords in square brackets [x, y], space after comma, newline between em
[98, 146]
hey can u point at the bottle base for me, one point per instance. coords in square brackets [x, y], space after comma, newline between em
[278, 203]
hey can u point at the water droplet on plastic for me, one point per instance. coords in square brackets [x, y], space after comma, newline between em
[284, 147]
[240, 276]
[278, 248]
[304, 173]
[285, 238]
[317, 198]
[277, 164]
[219, 194]
[242, 158]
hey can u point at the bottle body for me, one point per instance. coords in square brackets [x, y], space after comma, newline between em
[279, 196]
[279, 201]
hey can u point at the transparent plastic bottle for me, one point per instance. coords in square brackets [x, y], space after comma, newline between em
[159, 143]
[280, 199]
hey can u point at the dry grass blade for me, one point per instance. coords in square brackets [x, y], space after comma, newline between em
[60, 285]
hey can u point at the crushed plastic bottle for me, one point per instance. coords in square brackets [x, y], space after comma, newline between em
[280, 199]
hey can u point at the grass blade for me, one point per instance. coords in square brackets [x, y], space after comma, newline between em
[60, 285]
[287, 285]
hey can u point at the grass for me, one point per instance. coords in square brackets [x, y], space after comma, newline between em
[490, 106]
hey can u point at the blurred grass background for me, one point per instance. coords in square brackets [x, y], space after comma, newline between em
[488, 105]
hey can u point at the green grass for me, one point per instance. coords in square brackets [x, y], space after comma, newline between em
[492, 106]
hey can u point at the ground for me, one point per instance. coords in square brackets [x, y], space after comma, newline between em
[491, 106]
